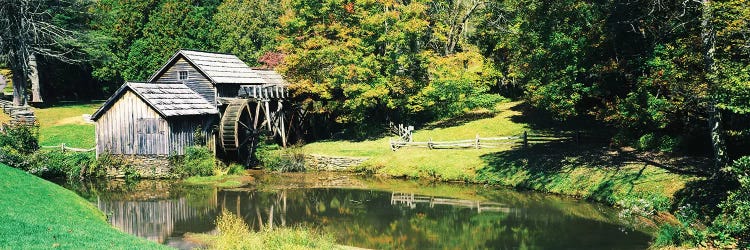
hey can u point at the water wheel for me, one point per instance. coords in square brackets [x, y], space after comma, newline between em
[239, 130]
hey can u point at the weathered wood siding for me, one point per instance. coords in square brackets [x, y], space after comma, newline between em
[129, 127]
[228, 90]
[183, 130]
[196, 81]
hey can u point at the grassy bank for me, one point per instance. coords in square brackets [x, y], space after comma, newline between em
[39, 214]
[64, 124]
[588, 170]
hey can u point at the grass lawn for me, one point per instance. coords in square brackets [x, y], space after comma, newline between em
[64, 124]
[592, 171]
[420, 162]
[38, 214]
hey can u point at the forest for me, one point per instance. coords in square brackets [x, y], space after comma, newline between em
[664, 76]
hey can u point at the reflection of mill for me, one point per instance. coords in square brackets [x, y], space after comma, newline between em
[411, 201]
[261, 210]
[155, 219]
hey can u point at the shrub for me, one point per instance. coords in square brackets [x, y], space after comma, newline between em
[71, 165]
[22, 137]
[236, 169]
[733, 221]
[283, 160]
[648, 142]
[197, 161]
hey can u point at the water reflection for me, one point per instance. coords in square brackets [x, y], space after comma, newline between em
[496, 219]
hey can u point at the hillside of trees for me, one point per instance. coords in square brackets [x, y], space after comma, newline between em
[671, 75]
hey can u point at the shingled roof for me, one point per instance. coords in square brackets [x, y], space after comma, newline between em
[271, 76]
[219, 68]
[168, 99]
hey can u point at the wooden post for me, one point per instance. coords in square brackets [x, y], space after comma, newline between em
[476, 144]
[429, 143]
[62, 147]
[525, 139]
[390, 141]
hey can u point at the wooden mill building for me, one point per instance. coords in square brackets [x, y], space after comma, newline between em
[192, 90]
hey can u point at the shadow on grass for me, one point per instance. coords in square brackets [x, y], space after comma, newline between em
[549, 165]
[544, 122]
[460, 120]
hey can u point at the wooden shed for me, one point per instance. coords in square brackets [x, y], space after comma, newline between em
[152, 119]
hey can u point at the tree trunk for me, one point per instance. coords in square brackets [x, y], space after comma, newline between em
[36, 88]
[708, 37]
[19, 85]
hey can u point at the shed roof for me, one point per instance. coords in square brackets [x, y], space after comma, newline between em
[219, 68]
[271, 76]
[168, 99]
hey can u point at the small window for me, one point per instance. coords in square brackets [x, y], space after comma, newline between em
[183, 75]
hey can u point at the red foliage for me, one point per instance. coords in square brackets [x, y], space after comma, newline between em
[271, 59]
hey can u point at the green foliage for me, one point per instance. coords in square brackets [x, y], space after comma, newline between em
[732, 223]
[235, 169]
[71, 165]
[197, 161]
[247, 29]
[282, 160]
[23, 138]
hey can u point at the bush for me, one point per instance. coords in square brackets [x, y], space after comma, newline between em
[71, 165]
[22, 137]
[283, 160]
[197, 161]
[733, 221]
[236, 169]
[648, 142]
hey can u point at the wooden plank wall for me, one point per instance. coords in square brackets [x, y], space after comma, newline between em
[196, 80]
[130, 126]
[183, 129]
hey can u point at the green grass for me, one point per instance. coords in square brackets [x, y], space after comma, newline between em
[38, 214]
[64, 124]
[420, 162]
[590, 171]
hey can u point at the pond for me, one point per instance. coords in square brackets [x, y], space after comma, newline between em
[366, 212]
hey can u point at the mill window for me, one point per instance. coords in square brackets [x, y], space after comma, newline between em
[183, 75]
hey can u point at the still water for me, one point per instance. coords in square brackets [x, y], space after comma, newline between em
[368, 213]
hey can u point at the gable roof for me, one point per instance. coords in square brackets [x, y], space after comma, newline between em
[168, 99]
[219, 68]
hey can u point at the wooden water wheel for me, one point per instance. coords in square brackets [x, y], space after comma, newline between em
[239, 130]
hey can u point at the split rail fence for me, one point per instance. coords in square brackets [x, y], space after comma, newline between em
[487, 142]
[66, 148]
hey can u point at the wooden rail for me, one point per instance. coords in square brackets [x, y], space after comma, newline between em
[403, 131]
[411, 201]
[64, 148]
[486, 142]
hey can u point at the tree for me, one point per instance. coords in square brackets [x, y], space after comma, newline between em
[28, 28]
[247, 28]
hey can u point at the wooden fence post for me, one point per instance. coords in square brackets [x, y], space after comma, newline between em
[429, 143]
[525, 139]
[62, 147]
[476, 144]
[390, 141]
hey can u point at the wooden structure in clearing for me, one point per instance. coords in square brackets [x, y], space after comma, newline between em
[198, 89]
[151, 119]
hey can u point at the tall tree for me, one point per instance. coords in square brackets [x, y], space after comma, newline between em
[28, 27]
[247, 28]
